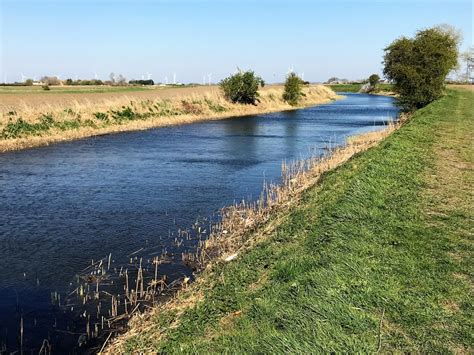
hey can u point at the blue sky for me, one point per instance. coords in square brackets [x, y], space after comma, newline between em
[195, 38]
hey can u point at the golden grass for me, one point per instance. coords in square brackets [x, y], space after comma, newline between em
[155, 113]
[242, 227]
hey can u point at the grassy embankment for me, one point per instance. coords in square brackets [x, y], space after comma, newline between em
[26, 126]
[376, 257]
[381, 88]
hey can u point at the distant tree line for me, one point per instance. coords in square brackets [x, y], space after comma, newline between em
[84, 82]
[141, 82]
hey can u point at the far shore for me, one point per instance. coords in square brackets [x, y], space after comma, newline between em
[42, 119]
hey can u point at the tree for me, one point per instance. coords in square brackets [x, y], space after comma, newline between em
[293, 90]
[50, 80]
[28, 82]
[242, 87]
[465, 59]
[418, 66]
[374, 80]
[121, 80]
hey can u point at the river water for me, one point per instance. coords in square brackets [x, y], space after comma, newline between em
[64, 205]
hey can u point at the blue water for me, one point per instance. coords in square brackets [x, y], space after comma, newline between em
[66, 204]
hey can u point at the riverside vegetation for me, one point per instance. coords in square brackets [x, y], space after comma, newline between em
[373, 258]
[26, 126]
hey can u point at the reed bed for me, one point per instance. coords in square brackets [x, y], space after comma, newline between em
[240, 227]
[28, 126]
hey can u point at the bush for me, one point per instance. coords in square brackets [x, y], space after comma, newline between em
[242, 87]
[45, 87]
[293, 89]
[419, 66]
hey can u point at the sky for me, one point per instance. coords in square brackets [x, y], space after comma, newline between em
[322, 39]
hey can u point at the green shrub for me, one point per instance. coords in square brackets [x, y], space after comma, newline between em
[125, 114]
[293, 90]
[102, 116]
[418, 66]
[68, 124]
[242, 87]
[21, 128]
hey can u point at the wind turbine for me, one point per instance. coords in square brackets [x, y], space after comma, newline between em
[203, 80]
[209, 76]
[291, 70]
[302, 76]
[95, 76]
[174, 78]
[143, 77]
[166, 80]
[148, 75]
[23, 78]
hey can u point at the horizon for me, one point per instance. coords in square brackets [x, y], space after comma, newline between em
[193, 39]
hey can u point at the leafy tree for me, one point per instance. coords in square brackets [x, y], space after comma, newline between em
[293, 89]
[418, 66]
[242, 87]
[374, 80]
[29, 82]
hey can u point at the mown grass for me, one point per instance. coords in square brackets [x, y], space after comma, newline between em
[375, 258]
[357, 87]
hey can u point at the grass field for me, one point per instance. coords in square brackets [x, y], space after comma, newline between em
[22, 90]
[377, 257]
[357, 87]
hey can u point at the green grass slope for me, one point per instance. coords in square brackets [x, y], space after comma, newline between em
[378, 257]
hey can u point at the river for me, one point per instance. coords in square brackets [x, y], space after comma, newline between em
[69, 203]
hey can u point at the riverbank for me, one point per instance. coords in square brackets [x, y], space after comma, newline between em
[26, 126]
[375, 257]
[381, 89]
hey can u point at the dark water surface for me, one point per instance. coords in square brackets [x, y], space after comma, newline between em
[66, 204]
